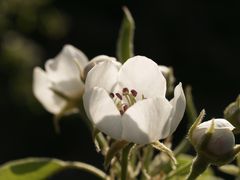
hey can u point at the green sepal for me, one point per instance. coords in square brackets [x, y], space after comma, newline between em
[94, 136]
[195, 124]
[161, 147]
[125, 37]
[100, 141]
[206, 138]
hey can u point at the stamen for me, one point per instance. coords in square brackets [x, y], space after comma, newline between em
[124, 99]
[125, 107]
[134, 92]
[118, 95]
[111, 95]
[125, 91]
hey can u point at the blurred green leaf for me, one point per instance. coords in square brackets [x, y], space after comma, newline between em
[183, 167]
[42, 168]
[30, 168]
[230, 169]
[126, 35]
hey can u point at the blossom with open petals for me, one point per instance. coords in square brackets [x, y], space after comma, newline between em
[61, 85]
[127, 102]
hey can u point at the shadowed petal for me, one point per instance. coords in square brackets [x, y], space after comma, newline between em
[144, 122]
[179, 105]
[102, 111]
[42, 91]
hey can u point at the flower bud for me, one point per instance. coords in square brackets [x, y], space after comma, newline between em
[232, 114]
[214, 141]
[93, 62]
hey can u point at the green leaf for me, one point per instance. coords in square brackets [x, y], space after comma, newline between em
[42, 168]
[183, 168]
[30, 168]
[125, 38]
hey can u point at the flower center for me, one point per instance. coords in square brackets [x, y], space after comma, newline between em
[125, 99]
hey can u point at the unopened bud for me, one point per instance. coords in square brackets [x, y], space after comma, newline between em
[95, 61]
[214, 141]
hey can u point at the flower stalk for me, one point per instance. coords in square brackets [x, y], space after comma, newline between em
[199, 165]
[124, 161]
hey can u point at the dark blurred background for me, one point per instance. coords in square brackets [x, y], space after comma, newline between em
[200, 40]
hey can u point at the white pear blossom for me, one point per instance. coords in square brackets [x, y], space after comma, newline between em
[222, 140]
[61, 85]
[127, 102]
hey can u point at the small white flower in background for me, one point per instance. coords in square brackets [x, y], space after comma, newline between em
[60, 86]
[222, 140]
[127, 102]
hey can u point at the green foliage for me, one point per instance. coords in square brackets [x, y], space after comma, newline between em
[183, 168]
[30, 168]
[125, 39]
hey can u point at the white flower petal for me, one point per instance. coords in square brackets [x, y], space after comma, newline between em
[143, 75]
[42, 91]
[179, 105]
[218, 124]
[103, 75]
[144, 121]
[102, 111]
[102, 58]
[64, 71]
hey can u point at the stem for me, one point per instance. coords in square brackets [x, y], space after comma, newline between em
[191, 111]
[147, 158]
[101, 140]
[124, 163]
[86, 167]
[182, 147]
[199, 165]
[178, 171]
